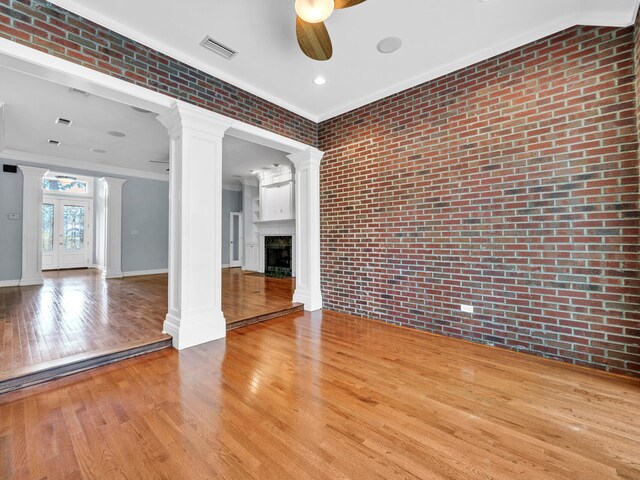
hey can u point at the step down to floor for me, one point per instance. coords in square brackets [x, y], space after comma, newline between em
[295, 307]
[47, 371]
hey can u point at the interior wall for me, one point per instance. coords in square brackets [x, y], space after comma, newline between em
[510, 186]
[145, 225]
[145, 208]
[231, 202]
[10, 230]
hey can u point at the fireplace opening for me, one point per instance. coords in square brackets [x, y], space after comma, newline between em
[277, 257]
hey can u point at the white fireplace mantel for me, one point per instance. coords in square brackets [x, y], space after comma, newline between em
[270, 228]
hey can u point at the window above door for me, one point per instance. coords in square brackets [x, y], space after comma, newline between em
[67, 184]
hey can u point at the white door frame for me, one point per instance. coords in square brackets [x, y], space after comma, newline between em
[238, 262]
[306, 158]
[61, 199]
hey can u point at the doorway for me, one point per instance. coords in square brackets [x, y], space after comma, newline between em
[236, 240]
[66, 233]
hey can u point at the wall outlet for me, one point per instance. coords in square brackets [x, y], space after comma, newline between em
[14, 216]
[466, 308]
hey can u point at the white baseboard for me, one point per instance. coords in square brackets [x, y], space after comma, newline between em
[97, 267]
[145, 272]
[226, 265]
[9, 283]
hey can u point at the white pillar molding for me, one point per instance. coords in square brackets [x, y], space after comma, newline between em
[32, 225]
[111, 230]
[307, 201]
[2, 127]
[195, 225]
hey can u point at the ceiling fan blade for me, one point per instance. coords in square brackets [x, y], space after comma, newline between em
[347, 3]
[314, 40]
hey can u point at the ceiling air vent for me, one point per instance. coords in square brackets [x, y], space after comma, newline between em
[53, 142]
[63, 121]
[216, 47]
[78, 92]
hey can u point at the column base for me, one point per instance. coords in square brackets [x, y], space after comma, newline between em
[311, 299]
[189, 332]
[32, 280]
[112, 273]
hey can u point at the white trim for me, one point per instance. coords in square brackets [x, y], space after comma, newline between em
[97, 168]
[226, 265]
[32, 225]
[166, 49]
[140, 273]
[9, 283]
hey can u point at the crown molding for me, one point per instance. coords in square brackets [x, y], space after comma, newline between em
[97, 168]
[166, 49]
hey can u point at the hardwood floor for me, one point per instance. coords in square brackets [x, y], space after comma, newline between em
[248, 294]
[76, 314]
[326, 396]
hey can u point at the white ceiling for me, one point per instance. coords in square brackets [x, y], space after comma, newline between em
[32, 104]
[440, 36]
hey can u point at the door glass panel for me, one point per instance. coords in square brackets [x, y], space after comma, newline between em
[73, 227]
[235, 228]
[47, 227]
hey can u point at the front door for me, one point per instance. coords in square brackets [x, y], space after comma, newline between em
[66, 239]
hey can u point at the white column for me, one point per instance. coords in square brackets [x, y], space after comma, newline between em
[110, 231]
[195, 225]
[32, 225]
[307, 202]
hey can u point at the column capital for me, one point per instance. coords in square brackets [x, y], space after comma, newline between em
[35, 171]
[311, 156]
[184, 116]
[114, 181]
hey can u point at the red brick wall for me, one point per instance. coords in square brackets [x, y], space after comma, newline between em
[49, 28]
[510, 185]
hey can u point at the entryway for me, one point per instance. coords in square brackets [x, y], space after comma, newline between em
[66, 233]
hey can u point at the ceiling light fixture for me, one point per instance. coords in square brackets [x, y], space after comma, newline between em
[63, 121]
[314, 11]
[55, 143]
[97, 150]
[319, 81]
[389, 45]
[65, 179]
[114, 133]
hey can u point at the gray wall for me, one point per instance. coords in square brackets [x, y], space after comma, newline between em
[10, 230]
[145, 207]
[231, 202]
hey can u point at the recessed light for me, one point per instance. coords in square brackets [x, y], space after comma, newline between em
[389, 45]
[319, 81]
[55, 143]
[97, 150]
[114, 133]
[276, 165]
[63, 121]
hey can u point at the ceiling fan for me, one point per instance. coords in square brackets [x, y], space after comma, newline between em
[165, 162]
[312, 34]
